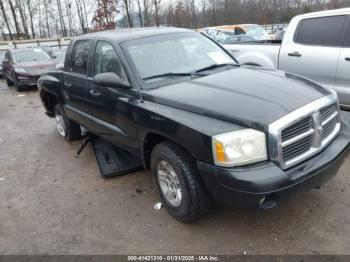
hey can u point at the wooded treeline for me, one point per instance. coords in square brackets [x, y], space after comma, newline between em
[25, 19]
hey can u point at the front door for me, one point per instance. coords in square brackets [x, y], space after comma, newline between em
[107, 102]
[314, 50]
[342, 81]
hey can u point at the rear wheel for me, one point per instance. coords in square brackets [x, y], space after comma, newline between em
[177, 179]
[68, 129]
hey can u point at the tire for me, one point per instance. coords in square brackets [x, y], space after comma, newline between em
[9, 82]
[18, 88]
[193, 202]
[67, 129]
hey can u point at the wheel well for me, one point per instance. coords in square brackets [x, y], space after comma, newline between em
[150, 141]
[49, 101]
[252, 64]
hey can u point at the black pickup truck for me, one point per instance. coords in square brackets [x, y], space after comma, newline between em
[205, 126]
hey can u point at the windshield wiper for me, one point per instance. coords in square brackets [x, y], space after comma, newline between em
[172, 75]
[214, 66]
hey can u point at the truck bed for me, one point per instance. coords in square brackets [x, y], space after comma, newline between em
[258, 53]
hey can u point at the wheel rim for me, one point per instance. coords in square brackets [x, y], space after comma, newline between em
[169, 183]
[61, 126]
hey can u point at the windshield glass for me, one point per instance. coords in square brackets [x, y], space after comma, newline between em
[175, 53]
[255, 30]
[30, 55]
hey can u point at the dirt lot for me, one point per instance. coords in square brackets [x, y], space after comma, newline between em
[56, 204]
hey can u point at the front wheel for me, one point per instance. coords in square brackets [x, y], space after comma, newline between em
[68, 129]
[178, 182]
[9, 82]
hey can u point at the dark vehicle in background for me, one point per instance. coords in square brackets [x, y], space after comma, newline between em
[23, 67]
[2, 56]
[204, 125]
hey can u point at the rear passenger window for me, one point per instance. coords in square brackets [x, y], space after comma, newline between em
[239, 31]
[323, 31]
[347, 43]
[80, 56]
[106, 60]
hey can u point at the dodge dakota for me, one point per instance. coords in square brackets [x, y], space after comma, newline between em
[315, 45]
[206, 127]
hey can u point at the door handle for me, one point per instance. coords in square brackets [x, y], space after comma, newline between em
[67, 84]
[295, 54]
[235, 50]
[94, 93]
[347, 59]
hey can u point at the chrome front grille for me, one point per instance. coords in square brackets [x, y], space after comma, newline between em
[304, 132]
[299, 147]
[297, 129]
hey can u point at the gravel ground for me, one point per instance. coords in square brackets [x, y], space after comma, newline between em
[52, 203]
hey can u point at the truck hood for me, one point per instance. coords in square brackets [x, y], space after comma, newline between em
[247, 96]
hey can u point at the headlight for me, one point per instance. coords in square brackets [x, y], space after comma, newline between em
[239, 148]
[20, 70]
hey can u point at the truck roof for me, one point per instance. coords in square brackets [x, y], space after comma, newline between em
[340, 11]
[122, 35]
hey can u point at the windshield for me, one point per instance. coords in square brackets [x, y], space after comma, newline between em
[175, 53]
[255, 30]
[30, 55]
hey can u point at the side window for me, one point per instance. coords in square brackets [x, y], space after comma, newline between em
[106, 60]
[80, 57]
[239, 31]
[7, 57]
[323, 31]
[347, 41]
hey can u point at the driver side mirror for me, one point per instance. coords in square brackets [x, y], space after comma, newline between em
[110, 80]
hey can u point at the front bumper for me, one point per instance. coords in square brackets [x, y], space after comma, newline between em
[265, 184]
[27, 80]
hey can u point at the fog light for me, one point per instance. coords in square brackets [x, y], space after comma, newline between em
[262, 200]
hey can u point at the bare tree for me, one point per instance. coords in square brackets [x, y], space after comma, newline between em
[15, 20]
[85, 15]
[140, 13]
[31, 13]
[146, 13]
[81, 16]
[46, 7]
[156, 4]
[23, 18]
[127, 11]
[6, 19]
[60, 14]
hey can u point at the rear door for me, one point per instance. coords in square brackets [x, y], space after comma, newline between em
[315, 48]
[342, 82]
[75, 81]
